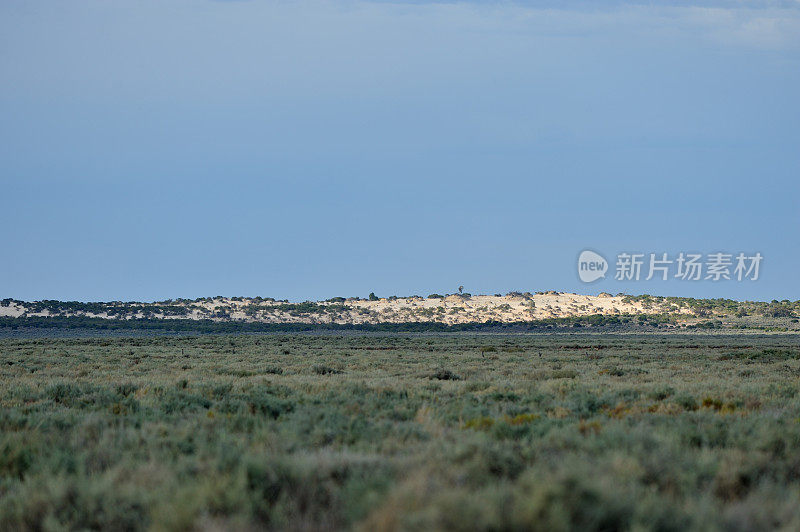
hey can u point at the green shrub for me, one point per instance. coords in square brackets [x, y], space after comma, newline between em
[445, 375]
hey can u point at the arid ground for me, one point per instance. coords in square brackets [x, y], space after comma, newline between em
[401, 432]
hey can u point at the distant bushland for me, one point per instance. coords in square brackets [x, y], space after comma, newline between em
[233, 326]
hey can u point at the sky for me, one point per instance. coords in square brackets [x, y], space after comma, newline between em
[305, 150]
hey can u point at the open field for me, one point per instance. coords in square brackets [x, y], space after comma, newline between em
[463, 431]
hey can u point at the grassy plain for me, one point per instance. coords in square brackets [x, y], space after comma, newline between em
[384, 432]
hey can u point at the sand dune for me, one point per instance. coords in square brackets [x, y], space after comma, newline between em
[451, 309]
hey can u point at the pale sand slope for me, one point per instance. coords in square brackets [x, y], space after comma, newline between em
[452, 309]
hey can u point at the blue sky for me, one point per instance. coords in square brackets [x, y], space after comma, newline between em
[153, 150]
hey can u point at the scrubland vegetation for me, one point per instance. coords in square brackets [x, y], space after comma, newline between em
[386, 432]
[437, 312]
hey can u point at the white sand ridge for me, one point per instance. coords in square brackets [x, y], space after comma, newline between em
[450, 309]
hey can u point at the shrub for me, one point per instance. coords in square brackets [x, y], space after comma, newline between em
[445, 375]
[687, 402]
[325, 370]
